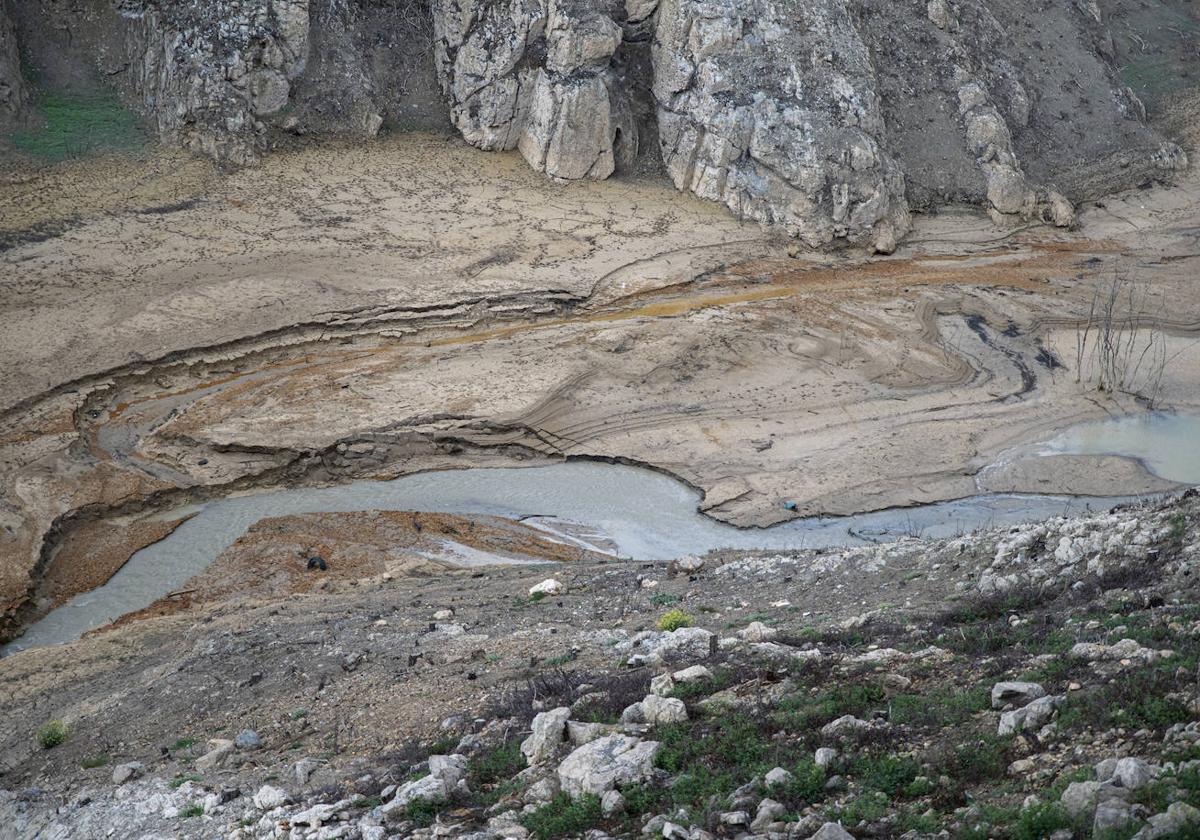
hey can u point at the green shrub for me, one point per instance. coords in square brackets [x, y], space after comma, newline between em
[51, 734]
[196, 809]
[495, 769]
[674, 620]
[664, 599]
[1040, 821]
[183, 778]
[887, 773]
[806, 786]
[422, 812]
[90, 762]
[563, 817]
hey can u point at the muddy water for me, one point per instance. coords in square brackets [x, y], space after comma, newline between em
[1168, 445]
[644, 514]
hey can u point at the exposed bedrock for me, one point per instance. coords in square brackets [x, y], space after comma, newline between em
[822, 118]
[14, 95]
[829, 120]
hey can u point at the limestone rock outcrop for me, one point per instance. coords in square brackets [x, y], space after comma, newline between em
[771, 109]
[207, 73]
[537, 76]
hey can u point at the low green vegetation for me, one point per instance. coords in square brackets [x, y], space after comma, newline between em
[196, 809]
[183, 778]
[563, 817]
[674, 620]
[51, 734]
[90, 762]
[76, 124]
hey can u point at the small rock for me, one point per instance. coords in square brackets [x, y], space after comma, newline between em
[777, 777]
[127, 772]
[247, 739]
[549, 586]
[612, 803]
[662, 685]
[832, 831]
[769, 811]
[269, 798]
[549, 732]
[824, 757]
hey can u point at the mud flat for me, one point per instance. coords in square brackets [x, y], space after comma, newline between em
[377, 311]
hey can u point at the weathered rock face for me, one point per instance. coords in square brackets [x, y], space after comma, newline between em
[823, 118]
[13, 93]
[209, 72]
[536, 75]
[771, 109]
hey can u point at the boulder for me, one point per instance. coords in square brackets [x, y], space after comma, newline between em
[659, 711]
[1033, 715]
[606, 763]
[1015, 694]
[547, 736]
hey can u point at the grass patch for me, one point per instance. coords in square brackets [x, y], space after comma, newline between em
[799, 713]
[1138, 699]
[947, 707]
[563, 817]
[183, 778]
[74, 125]
[90, 762]
[664, 599]
[184, 744]
[51, 734]
[888, 774]
[196, 809]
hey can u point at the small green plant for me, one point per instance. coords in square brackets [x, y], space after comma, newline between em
[183, 778]
[538, 596]
[90, 762]
[298, 714]
[51, 734]
[887, 773]
[664, 599]
[423, 813]
[1040, 821]
[563, 817]
[184, 744]
[196, 809]
[674, 620]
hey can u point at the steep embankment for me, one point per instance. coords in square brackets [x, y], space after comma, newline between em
[982, 685]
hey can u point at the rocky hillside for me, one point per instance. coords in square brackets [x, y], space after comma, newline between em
[830, 120]
[1028, 683]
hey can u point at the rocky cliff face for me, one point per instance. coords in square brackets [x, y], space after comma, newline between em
[208, 73]
[830, 120]
[13, 93]
[810, 116]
